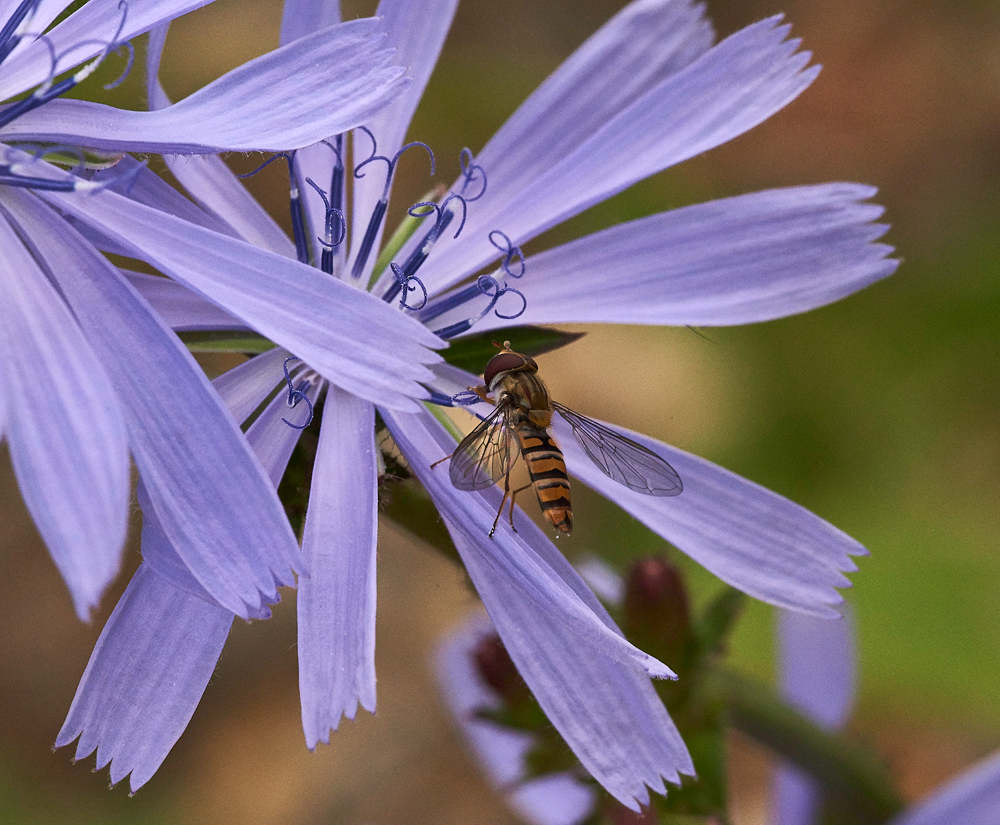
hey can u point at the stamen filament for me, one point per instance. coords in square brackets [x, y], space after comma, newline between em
[9, 35]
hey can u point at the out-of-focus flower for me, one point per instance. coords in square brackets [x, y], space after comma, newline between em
[816, 677]
[88, 373]
[972, 798]
[553, 799]
[645, 92]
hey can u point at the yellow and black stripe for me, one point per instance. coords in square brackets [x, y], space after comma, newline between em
[547, 469]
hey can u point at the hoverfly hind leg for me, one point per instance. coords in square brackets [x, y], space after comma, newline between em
[440, 460]
[493, 529]
[511, 511]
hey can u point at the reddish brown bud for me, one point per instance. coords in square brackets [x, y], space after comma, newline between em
[657, 611]
[496, 668]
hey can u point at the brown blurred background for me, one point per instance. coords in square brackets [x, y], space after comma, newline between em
[881, 413]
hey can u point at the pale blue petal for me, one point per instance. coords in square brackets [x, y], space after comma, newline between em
[748, 536]
[272, 439]
[146, 187]
[244, 388]
[320, 85]
[418, 31]
[972, 798]
[796, 797]
[592, 684]
[816, 661]
[209, 181]
[214, 186]
[510, 556]
[553, 799]
[732, 261]
[81, 36]
[178, 306]
[159, 553]
[729, 89]
[816, 676]
[211, 495]
[336, 597]
[350, 337]
[145, 677]
[646, 42]
[64, 427]
[606, 710]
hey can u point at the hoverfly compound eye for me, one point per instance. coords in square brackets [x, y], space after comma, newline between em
[504, 362]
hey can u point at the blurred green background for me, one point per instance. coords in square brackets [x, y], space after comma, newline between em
[880, 413]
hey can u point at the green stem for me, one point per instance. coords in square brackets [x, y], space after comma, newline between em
[851, 777]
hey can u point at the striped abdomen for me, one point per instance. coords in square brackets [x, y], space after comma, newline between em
[547, 469]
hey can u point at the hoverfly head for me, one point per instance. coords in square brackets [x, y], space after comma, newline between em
[505, 362]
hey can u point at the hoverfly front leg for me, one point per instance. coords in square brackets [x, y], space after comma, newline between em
[483, 394]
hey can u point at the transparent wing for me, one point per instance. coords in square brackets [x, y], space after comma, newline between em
[485, 455]
[621, 458]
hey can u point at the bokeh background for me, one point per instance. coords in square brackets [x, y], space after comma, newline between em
[880, 413]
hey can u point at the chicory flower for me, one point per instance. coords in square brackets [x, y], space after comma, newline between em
[647, 91]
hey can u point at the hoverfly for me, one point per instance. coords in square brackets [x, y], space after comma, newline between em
[518, 426]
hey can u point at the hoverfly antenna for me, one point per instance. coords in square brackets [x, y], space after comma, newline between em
[496, 343]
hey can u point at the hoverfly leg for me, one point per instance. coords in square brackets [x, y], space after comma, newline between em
[493, 529]
[506, 492]
[441, 459]
[483, 393]
[511, 513]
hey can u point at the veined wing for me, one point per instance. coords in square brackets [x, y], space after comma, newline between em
[485, 455]
[621, 458]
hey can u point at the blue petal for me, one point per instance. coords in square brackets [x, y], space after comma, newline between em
[244, 388]
[817, 666]
[348, 336]
[145, 677]
[336, 598]
[160, 554]
[81, 36]
[796, 797]
[816, 675]
[552, 799]
[214, 186]
[532, 568]
[592, 684]
[63, 425]
[178, 306]
[272, 439]
[731, 88]
[418, 31]
[644, 43]
[302, 17]
[320, 85]
[210, 493]
[732, 261]
[972, 798]
[746, 535]
[146, 187]
[209, 181]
